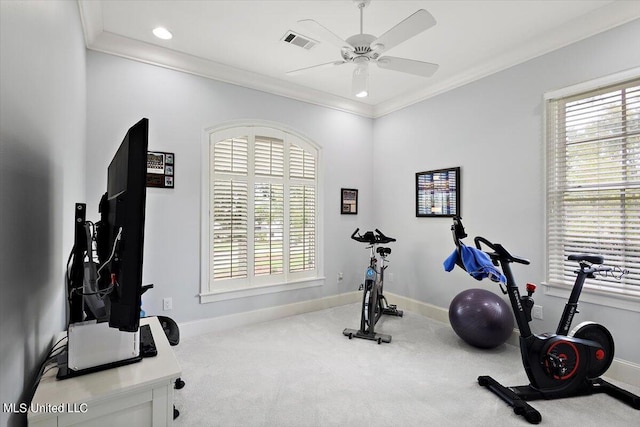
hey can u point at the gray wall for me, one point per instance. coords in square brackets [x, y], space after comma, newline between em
[493, 129]
[180, 107]
[42, 144]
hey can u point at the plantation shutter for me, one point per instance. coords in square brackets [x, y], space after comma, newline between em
[269, 206]
[230, 209]
[593, 184]
[263, 196]
[302, 210]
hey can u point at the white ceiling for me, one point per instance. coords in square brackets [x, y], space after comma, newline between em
[241, 41]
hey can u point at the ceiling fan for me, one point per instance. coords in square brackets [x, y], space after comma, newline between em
[362, 49]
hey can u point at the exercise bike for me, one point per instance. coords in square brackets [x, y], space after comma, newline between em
[559, 365]
[374, 303]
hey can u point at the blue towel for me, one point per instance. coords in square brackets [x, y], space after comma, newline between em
[476, 262]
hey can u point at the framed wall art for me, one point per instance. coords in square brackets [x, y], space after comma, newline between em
[438, 193]
[348, 201]
[160, 169]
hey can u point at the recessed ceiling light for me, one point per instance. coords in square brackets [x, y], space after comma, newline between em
[162, 33]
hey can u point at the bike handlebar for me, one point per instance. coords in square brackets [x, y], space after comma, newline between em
[383, 238]
[499, 252]
[373, 238]
[353, 235]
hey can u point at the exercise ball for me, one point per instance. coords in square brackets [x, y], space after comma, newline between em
[481, 318]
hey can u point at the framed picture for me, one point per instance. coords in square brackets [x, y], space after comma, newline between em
[438, 193]
[349, 201]
[160, 169]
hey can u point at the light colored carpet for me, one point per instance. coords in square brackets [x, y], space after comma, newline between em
[301, 371]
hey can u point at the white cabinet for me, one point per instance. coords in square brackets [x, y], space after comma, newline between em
[139, 394]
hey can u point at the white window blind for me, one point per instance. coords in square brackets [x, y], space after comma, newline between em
[230, 229]
[302, 228]
[269, 206]
[230, 209]
[302, 200]
[269, 229]
[593, 185]
[263, 211]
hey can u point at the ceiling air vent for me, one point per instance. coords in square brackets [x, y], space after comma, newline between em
[298, 40]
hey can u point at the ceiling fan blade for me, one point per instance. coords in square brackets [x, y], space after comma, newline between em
[319, 66]
[413, 25]
[410, 66]
[323, 33]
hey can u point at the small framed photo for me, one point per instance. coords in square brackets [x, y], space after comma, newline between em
[155, 163]
[349, 201]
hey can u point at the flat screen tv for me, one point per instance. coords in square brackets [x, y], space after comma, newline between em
[120, 232]
[105, 284]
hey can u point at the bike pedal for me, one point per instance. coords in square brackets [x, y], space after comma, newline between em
[361, 287]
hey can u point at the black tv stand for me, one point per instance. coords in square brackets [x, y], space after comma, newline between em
[65, 372]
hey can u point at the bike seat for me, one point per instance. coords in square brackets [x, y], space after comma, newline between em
[383, 251]
[592, 259]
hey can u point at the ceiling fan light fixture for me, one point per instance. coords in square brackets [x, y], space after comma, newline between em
[360, 83]
[362, 49]
[162, 33]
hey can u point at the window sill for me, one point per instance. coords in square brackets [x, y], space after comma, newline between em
[229, 294]
[592, 296]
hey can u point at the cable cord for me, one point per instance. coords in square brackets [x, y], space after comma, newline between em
[109, 289]
[113, 251]
[613, 272]
[50, 357]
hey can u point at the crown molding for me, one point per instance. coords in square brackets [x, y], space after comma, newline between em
[588, 25]
[103, 41]
[151, 54]
[597, 21]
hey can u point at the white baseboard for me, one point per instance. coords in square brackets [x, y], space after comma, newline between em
[620, 370]
[431, 311]
[222, 323]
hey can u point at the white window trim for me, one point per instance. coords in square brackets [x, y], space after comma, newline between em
[593, 296]
[589, 295]
[232, 289]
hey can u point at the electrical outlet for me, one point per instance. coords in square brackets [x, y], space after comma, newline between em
[340, 277]
[167, 304]
[537, 312]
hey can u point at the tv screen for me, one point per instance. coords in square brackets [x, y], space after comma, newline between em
[120, 237]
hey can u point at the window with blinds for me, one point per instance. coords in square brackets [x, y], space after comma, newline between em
[593, 185]
[263, 209]
[302, 198]
[229, 211]
[269, 206]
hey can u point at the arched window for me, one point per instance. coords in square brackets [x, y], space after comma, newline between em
[262, 214]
